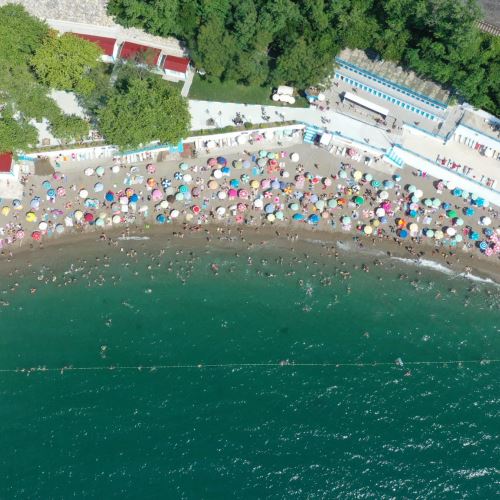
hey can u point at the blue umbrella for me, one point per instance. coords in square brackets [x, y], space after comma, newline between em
[183, 189]
[298, 217]
[469, 211]
[51, 193]
[474, 236]
[413, 213]
[161, 219]
[480, 202]
[388, 184]
[246, 164]
[457, 192]
[488, 231]
[178, 176]
[225, 170]
[234, 183]
[166, 183]
[221, 160]
[183, 166]
[275, 185]
[396, 177]
[269, 208]
[446, 205]
[314, 198]
[255, 171]
[375, 184]
[314, 218]
[110, 196]
[46, 185]
[134, 198]
[483, 245]
[403, 233]
[383, 219]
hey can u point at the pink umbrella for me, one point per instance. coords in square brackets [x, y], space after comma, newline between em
[268, 194]
[243, 193]
[265, 183]
[327, 181]
[300, 178]
[239, 219]
[232, 193]
[57, 176]
[61, 191]
[241, 207]
[195, 192]
[276, 199]
[488, 252]
[212, 162]
[156, 194]
[20, 234]
[150, 168]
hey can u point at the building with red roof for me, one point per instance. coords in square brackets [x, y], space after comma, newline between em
[106, 44]
[6, 163]
[133, 51]
[176, 66]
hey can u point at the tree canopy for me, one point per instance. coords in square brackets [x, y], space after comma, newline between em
[64, 62]
[295, 41]
[142, 108]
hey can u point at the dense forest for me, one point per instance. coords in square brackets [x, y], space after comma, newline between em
[259, 42]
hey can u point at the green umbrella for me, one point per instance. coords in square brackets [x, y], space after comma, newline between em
[359, 200]
[451, 214]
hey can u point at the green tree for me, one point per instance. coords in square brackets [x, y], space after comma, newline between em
[144, 110]
[68, 128]
[64, 62]
[15, 134]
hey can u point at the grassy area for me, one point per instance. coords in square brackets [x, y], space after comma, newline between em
[216, 90]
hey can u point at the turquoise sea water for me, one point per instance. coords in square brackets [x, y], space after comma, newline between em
[248, 431]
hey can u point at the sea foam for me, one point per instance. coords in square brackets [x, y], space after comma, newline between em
[430, 264]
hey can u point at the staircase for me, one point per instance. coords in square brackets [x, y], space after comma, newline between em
[311, 133]
[392, 158]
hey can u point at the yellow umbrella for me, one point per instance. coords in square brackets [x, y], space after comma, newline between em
[5, 210]
[357, 175]
[368, 229]
[31, 217]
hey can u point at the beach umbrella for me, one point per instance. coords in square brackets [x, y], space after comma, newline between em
[383, 195]
[241, 207]
[298, 217]
[243, 193]
[403, 233]
[179, 197]
[5, 210]
[429, 233]
[232, 193]
[376, 183]
[451, 214]
[418, 193]
[187, 178]
[78, 214]
[246, 164]
[368, 229]
[195, 192]
[265, 183]
[213, 185]
[36, 235]
[332, 203]
[258, 203]
[458, 238]
[457, 192]
[279, 215]
[83, 193]
[211, 162]
[411, 188]
[245, 178]
[61, 191]
[160, 218]
[110, 196]
[220, 210]
[271, 217]
[238, 164]
[234, 183]
[388, 184]
[116, 219]
[88, 172]
[342, 174]
[221, 161]
[98, 222]
[34, 204]
[31, 217]
[254, 184]
[413, 228]
[261, 162]
[320, 205]
[412, 213]
[88, 217]
[383, 220]
[357, 174]
[99, 171]
[375, 223]
[428, 202]
[485, 221]
[51, 193]
[396, 177]
[469, 211]
[115, 169]
[359, 200]
[43, 226]
[134, 198]
[295, 157]
[380, 212]
[269, 208]
[346, 220]
[480, 202]
[19, 234]
[458, 221]
[46, 185]
[483, 245]
[488, 231]
[451, 231]
[313, 198]
[184, 166]
[314, 218]
[17, 204]
[368, 177]
[98, 187]
[327, 181]
[170, 191]
[275, 185]
[474, 236]
[293, 206]
[174, 213]
[182, 189]
[438, 235]
[436, 202]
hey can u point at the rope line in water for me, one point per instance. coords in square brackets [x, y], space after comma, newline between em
[282, 364]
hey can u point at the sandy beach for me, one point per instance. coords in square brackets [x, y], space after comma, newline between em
[234, 204]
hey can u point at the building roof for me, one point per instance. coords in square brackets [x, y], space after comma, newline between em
[5, 162]
[391, 71]
[107, 44]
[179, 64]
[130, 50]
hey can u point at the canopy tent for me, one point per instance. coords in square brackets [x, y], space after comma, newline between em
[130, 50]
[177, 64]
[366, 103]
[106, 44]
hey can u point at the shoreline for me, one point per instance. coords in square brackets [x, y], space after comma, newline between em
[286, 236]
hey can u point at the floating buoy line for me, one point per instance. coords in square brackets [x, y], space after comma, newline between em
[282, 364]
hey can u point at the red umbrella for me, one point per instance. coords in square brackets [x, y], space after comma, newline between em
[88, 217]
[36, 235]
